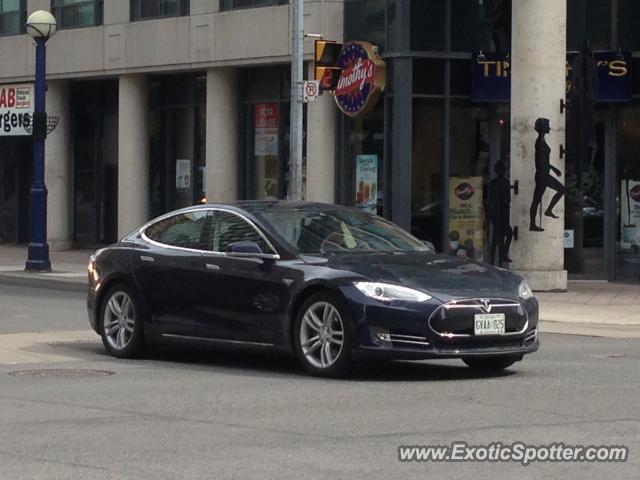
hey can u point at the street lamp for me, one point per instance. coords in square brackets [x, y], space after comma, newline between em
[41, 26]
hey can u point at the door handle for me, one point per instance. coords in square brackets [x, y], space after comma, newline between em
[144, 258]
[212, 266]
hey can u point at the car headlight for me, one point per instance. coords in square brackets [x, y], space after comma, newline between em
[387, 292]
[524, 291]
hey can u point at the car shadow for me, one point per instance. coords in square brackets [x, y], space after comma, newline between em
[264, 362]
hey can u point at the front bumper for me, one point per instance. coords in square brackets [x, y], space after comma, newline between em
[404, 331]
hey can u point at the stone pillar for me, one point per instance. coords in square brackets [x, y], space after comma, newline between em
[321, 148]
[223, 107]
[133, 153]
[58, 171]
[538, 77]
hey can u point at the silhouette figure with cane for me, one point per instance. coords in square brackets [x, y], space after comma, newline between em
[543, 178]
[499, 207]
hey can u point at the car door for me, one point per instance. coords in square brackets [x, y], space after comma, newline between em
[169, 273]
[246, 297]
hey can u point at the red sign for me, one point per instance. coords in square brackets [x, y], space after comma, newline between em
[362, 78]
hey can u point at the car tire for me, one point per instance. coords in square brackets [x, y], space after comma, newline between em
[323, 338]
[490, 364]
[121, 322]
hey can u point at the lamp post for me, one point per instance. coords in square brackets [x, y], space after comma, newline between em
[41, 26]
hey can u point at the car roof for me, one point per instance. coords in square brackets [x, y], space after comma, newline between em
[262, 206]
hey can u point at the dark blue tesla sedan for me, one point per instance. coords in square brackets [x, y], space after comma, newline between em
[330, 284]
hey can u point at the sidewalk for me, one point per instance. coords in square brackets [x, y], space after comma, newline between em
[586, 308]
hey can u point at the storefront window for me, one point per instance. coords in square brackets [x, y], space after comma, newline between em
[365, 20]
[628, 196]
[427, 184]
[629, 33]
[178, 142]
[590, 20]
[95, 123]
[236, 4]
[143, 9]
[12, 16]
[77, 13]
[428, 25]
[266, 112]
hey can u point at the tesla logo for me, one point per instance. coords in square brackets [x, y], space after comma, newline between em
[486, 304]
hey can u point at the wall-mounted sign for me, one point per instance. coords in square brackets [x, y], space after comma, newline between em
[466, 224]
[367, 183]
[16, 109]
[491, 77]
[362, 78]
[266, 129]
[183, 174]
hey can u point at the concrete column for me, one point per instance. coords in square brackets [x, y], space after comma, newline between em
[321, 148]
[223, 107]
[133, 153]
[58, 171]
[538, 55]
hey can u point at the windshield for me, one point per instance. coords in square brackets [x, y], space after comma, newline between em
[313, 232]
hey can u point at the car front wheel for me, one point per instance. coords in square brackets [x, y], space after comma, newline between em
[121, 326]
[323, 340]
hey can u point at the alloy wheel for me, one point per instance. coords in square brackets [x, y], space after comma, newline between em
[321, 335]
[119, 320]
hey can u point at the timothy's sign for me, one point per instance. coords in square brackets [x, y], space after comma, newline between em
[16, 109]
[362, 79]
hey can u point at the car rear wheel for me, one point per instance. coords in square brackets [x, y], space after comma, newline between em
[490, 364]
[323, 339]
[121, 326]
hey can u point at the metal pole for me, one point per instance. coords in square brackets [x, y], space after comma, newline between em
[295, 153]
[38, 256]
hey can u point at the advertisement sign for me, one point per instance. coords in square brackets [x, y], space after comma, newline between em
[183, 174]
[491, 77]
[630, 214]
[466, 217]
[266, 125]
[362, 78]
[16, 109]
[367, 183]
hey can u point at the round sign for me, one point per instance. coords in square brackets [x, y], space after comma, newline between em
[464, 191]
[311, 89]
[634, 193]
[362, 78]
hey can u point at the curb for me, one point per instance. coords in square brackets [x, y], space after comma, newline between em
[40, 281]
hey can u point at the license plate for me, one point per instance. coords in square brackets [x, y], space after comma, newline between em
[488, 324]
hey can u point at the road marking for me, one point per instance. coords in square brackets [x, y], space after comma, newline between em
[43, 347]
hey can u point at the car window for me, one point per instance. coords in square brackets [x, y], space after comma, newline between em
[185, 230]
[227, 228]
[340, 231]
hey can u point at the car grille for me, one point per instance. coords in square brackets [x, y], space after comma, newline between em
[409, 341]
[456, 318]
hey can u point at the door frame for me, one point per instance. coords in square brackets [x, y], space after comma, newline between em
[610, 173]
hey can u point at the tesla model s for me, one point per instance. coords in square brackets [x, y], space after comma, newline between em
[330, 284]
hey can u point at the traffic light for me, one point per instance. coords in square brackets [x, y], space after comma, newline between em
[326, 55]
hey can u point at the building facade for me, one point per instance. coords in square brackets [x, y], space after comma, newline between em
[165, 103]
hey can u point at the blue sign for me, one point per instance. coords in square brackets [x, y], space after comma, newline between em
[491, 77]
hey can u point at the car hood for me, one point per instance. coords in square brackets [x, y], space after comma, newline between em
[444, 277]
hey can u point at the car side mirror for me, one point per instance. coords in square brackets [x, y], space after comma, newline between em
[247, 248]
[244, 247]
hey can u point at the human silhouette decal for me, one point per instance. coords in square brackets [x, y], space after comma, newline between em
[499, 207]
[544, 179]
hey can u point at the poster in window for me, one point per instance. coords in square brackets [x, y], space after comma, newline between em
[466, 217]
[630, 214]
[266, 129]
[183, 174]
[367, 183]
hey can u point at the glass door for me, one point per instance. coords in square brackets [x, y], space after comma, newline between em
[585, 210]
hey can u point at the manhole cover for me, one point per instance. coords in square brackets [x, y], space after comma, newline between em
[62, 373]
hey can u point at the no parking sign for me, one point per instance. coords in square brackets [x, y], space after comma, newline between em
[311, 89]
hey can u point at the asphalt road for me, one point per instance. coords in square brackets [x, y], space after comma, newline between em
[190, 412]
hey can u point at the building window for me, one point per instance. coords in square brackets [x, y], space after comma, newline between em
[13, 16]
[236, 4]
[77, 13]
[144, 9]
